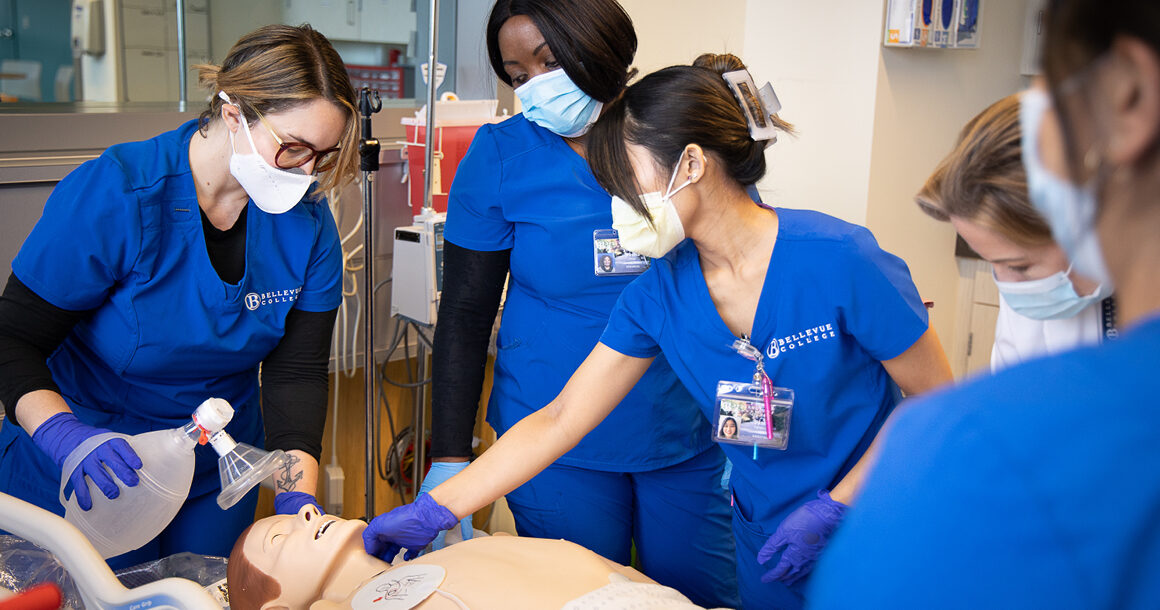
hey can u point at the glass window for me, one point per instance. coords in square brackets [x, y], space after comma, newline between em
[125, 52]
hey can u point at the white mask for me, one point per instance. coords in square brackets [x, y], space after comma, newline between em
[273, 190]
[666, 231]
[1070, 210]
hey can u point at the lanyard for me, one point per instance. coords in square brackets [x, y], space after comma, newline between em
[745, 348]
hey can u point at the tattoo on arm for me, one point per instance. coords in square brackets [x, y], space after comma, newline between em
[287, 478]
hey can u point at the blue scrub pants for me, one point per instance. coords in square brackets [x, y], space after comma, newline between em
[678, 516]
[750, 537]
[199, 527]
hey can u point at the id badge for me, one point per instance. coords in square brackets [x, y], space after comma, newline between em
[611, 259]
[743, 416]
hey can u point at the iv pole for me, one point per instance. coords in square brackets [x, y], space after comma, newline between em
[428, 208]
[368, 150]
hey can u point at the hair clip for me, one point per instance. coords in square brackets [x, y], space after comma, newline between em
[758, 105]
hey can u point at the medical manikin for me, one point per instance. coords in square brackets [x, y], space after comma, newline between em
[317, 562]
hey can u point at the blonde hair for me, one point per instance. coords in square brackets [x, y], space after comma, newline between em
[982, 179]
[278, 67]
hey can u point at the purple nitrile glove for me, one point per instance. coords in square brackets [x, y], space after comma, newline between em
[290, 502]
[60, 434]
[411, 526]
[803, 534]
[436, 475]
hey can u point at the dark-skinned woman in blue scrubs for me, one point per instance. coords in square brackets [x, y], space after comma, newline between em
[1038, 487]
[741, 291]
[525, 201]
[164, 272]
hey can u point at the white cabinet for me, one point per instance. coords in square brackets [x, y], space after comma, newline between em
[149, 48]
[384, 21]
[388, 21]
[978, 310]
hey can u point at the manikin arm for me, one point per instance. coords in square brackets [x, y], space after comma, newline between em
[602, 381]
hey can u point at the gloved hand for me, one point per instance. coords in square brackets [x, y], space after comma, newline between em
[803, 534]
[440, 472]
[60, 434]
[411, 526]
[290, 502]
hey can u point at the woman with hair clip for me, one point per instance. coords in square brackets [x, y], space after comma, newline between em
[796, 300]
[1037, 487]
[981, 189]
[164, 272]
[525, 201]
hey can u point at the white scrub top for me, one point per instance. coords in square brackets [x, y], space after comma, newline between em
[1019, 338]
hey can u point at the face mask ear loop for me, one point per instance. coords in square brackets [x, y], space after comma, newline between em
[669, 191]
[245, 125]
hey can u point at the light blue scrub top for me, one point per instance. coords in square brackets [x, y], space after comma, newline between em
[1034, 488]
[521, 187]
[833, 306]
[122, 234]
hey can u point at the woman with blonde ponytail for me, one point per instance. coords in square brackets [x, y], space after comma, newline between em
[172, 270]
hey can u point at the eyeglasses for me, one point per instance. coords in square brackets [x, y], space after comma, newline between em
[296, 154]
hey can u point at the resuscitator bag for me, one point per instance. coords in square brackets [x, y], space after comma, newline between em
[138, 514]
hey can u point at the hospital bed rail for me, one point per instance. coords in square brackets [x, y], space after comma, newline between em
[98, 586]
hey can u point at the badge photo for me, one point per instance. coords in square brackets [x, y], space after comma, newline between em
[612, 259]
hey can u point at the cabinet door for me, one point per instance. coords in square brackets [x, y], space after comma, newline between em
[148, 73]
[337, 19]
[982, 338]
[389, 21]
[196, 30]
[144, 27]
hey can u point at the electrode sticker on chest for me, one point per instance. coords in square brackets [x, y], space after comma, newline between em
[401, 588]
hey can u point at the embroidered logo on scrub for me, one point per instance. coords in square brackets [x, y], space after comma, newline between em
[399, 588]
[800, 339]
[255, 300]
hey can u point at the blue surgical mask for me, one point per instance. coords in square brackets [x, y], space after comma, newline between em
[552, 101]
[1050, 298]
[1070, 210]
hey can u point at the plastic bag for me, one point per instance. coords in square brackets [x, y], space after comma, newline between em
[24, 565]
[209, 572]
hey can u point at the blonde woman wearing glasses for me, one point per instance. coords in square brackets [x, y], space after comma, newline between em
[166, 271]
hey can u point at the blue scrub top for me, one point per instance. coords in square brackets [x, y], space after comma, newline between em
[521, 187]
[122, 234]
[833, 306]
[1034, 488]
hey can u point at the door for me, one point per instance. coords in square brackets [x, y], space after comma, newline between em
[7, 30]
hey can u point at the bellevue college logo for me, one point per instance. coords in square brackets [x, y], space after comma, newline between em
[254, 300]
[800, 339]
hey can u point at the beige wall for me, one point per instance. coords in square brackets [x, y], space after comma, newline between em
[923, 98]
[821, 58]
[677, 31]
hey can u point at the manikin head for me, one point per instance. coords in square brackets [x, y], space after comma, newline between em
[290, 561]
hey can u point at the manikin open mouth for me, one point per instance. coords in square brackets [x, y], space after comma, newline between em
[323, 528]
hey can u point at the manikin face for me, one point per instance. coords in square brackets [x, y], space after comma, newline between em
[300, 551]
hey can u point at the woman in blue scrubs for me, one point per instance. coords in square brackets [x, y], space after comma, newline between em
[830, 315]
[165, 272]
[1037, 487]
[525, 201]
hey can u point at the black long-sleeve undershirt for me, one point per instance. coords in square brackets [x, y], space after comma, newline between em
[294, 374]
[472, 287]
